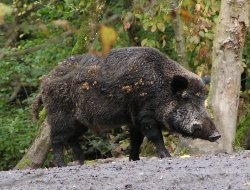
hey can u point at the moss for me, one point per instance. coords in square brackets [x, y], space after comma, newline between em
[242, 129]
[23, 164]
[81, 44]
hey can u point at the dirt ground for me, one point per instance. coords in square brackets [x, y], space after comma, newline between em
[215, 172]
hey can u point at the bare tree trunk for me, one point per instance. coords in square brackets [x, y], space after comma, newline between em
[226, 72]
[227, 68]
[37, 153]
[179, 35]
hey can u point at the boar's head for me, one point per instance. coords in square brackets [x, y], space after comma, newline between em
[187, 114]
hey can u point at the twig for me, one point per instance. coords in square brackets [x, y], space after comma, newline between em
[174, 9]
[35, 48]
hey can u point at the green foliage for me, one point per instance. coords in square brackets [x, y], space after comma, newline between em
[16, 134]
[101, 145]
[242, 129]
[246, 60]
[152, 26]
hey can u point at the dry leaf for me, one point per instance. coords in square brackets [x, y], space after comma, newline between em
[85, 86]
[185, 156]
[108, 37]
[127, 88]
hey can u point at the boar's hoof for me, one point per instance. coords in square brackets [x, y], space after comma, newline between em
[163, 154]
[133, 158]
[215, 136]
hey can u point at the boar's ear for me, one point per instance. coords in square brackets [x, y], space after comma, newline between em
[179, 83]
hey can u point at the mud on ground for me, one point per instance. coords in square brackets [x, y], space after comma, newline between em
[215, 172]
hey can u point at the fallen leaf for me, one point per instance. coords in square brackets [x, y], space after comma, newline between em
[185, 156]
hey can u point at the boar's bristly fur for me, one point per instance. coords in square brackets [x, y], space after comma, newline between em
[137, 87]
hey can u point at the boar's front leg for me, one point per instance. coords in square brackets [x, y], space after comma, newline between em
[136, 138]
[151, 130]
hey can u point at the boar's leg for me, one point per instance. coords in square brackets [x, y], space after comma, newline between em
[62, 128]
[58, 154]
[78, 153]
[136, 138]
[74, 142]
[152, 131]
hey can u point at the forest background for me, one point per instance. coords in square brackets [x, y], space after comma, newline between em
[36, 35]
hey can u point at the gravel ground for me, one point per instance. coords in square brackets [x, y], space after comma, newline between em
[215, 172]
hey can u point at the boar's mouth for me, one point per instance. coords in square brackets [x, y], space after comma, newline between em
[214, 137]
[175, 127]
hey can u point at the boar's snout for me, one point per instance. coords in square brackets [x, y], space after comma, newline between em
[214, 137]
[207, 131]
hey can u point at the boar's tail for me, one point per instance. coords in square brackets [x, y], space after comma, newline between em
[36, 107]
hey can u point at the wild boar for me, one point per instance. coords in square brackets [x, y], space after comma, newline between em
[138, 87]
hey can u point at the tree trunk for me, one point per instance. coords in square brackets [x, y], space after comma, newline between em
[227, 68]
[179, 35]
[38, 151]
[88, 29]
[226, 72]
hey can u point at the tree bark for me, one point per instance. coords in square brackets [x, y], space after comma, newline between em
[227, 68]
[179, 35]
[37, 153]
[226, 72]
[88, 29]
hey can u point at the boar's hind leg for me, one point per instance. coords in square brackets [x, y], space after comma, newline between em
[58, 154]
[78, 153]
[136, 138]
[152, 131]
[62, 129]
[74, 142]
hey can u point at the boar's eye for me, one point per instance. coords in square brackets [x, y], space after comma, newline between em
[179, 84]
[184, 95]
[198, 94]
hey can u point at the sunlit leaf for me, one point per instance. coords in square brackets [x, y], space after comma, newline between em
[198, 7]
[145, 25]
[195, 39]
[153, 29]
[209, 35]
[201, 34]
[4, 10]
[185, 156]
[164, 43]
[144, 42]
[138, 16]
[161, 26]
[62, 23]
